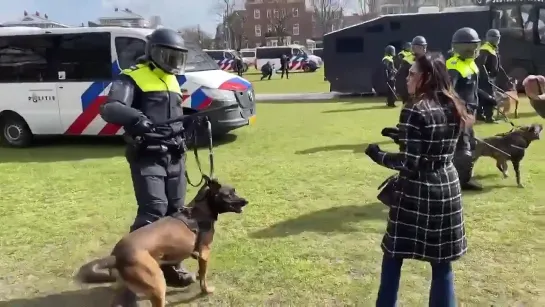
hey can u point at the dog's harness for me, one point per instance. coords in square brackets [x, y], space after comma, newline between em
[197, 227]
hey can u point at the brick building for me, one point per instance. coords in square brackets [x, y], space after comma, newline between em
[278, 22]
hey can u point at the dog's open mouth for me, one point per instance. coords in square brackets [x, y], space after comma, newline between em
[238, 206]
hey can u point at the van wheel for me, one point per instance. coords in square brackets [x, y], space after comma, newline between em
[15, 131]
[306, 68]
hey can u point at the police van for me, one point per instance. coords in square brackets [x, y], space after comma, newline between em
[300, 58]
[53, 82]
[248, 56]
[226, 59]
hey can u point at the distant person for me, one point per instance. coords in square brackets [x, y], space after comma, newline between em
[489, 67]
[285, 65]
[239, 63]
[425, 219]
[266, 71]
[418, 48]
[406, 51]
[389, 74]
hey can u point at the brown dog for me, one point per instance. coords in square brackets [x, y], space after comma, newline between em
[135, 260]
[514, 143]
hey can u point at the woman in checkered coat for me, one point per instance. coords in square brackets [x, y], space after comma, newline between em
[425, 221]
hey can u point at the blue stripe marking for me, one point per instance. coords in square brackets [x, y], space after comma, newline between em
[197, 98]
[96, 88]
[240, 81]
[181, 79]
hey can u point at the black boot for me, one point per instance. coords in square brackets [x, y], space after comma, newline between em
[125, 298]
[472, 185]
[177, 276]
[463, 161]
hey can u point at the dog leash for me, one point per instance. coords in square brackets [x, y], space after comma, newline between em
[196, 153]
[493, 147]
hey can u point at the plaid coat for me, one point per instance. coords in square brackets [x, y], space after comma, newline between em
[427, 223]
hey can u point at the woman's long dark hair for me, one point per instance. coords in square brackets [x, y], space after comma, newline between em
[435, 80]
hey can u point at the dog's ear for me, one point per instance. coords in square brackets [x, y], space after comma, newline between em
[213, 184]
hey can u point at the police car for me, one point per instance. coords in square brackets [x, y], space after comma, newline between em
[53, 82]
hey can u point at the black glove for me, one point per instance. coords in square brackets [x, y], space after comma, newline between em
[142, 126]
[372, 150]
[392, 133]
[194, 122]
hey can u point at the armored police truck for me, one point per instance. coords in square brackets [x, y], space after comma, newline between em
[356, 51]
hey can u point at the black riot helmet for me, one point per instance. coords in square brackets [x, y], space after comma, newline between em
[419, 41]
[390, 50]
[466, 43]
[407, 46]
[419, 45]
[493, 37]
[166, 49]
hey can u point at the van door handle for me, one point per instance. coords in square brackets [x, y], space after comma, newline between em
[61, 86]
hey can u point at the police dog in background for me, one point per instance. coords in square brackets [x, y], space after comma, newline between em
[514, 143]
[135, 260]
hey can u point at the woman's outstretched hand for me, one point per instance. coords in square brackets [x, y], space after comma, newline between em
[372, 150]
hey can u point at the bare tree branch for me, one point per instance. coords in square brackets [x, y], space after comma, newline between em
[225, 10]
[278, 21]
[197, 36]
[328, 14]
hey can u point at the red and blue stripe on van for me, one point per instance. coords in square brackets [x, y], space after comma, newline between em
[91, 100]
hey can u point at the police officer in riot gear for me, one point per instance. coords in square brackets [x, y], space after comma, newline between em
[390, 72]
[418, 48]
[145, 94]
[464, 74]
[405, 51]
[488, 64]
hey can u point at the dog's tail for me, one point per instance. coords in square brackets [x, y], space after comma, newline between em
[98, 271]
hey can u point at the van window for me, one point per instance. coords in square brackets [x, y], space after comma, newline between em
[27, 59]
[270, 53]
[85, 56]
[296, 51]
[216, 55]
[128, 50]
[197, 60]
[228, 55]
[248, 54]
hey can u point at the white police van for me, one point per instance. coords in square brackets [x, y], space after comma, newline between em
[301, 59]
[53, 82]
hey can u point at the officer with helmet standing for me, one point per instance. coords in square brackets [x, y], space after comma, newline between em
[390, 72]
[488, 64]
[405, 51]
[418, 48]
[145, 94]
[464, 75]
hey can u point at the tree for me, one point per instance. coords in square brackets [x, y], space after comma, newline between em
[225, 10]
[328, 14]
[197, 36]
[278, 20]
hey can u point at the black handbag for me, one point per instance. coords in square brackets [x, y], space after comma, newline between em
[388, 195]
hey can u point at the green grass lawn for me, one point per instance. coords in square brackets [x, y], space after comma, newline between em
[309, 237]
[298, 82]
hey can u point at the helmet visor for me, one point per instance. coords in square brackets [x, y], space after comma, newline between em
[494, 40]
[466, 50]
[170, 60]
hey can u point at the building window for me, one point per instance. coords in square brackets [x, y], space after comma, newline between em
[283, 12]
[276, 14]
[257, 14]
[296, 42]
[269, 28]
[274, 43]
[295, 29]
[295, 12]
[269, 13]
[257, 30]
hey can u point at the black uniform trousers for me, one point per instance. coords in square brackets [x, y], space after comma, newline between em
[487, 104]
[463, 156]
[159, 185]
[390, 95]
[285, 69]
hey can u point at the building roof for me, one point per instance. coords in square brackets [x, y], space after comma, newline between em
[122, 14]
[30, 19]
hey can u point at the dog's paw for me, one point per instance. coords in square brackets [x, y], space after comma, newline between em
[505, 175]
[520, 185]
[208, 289]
